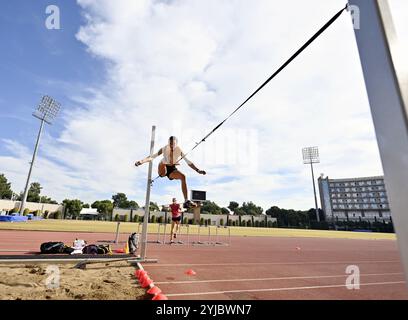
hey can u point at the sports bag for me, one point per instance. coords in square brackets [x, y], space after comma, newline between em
[52, 247]
[90, 249]
[133, 242]
[104, 249]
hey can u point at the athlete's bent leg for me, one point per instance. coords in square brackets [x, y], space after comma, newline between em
[177, 175]
[162, 169]
[171, 232]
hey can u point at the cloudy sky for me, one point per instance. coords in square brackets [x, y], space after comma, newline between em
[119, 67]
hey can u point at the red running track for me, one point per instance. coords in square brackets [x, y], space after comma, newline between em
[264, 268]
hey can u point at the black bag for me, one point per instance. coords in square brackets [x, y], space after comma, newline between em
[52, 247]
[68, 250]
[90, 249]
[104, 249]
[133, 242]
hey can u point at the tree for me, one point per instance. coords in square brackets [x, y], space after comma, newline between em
[225, 211]
[72, 207]
[120, 201]
[233, 206]
[211, 207]
[5, 188]
[153, 206]
[133, 205]
[44, 199]
[239, 212]
[86, 206]
[33, 194]
[312, 214]
[104, 207]
[251, 209]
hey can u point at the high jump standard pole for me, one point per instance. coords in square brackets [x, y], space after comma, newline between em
[147, 205]
[386, 77]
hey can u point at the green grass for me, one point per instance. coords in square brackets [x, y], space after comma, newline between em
[128, 227]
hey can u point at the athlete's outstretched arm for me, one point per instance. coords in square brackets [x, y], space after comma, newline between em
[148, 159]
[191, 165]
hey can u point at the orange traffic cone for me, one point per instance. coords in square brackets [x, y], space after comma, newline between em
[160, 296]
[147, 282]
[143, 276]
[191, 272]
[137, 273]
[154, 290]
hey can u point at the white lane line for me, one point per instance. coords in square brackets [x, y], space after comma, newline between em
[278, 289]
[268, 263]
[276, 278]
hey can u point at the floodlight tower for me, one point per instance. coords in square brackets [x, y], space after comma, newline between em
[47, 111]
[310, 156]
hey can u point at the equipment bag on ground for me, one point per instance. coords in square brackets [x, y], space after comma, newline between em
[52, 247]
[133, 242]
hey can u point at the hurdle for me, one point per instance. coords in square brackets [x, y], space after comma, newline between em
[208, 241]
[186, 235]
[116, 239]
[139, 226]
[217, 242]
[160, 226]
[164, 233]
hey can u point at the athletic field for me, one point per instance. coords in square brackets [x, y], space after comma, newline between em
[128, 227]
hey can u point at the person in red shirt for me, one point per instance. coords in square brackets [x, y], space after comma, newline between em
[175, 219]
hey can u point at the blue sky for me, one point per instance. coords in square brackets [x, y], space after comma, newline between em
[117, 67]
[36, 61]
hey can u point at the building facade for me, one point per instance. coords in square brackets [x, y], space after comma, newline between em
[354, 199]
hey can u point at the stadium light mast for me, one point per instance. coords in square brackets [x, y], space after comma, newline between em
[310, 156]
[46, 112]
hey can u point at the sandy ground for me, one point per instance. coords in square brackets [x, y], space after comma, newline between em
[97, 282]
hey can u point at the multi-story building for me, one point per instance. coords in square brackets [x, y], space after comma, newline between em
[354, 199]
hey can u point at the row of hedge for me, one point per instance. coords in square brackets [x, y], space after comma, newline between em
[376, 226]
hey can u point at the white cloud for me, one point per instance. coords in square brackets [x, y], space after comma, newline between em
[184, 66]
